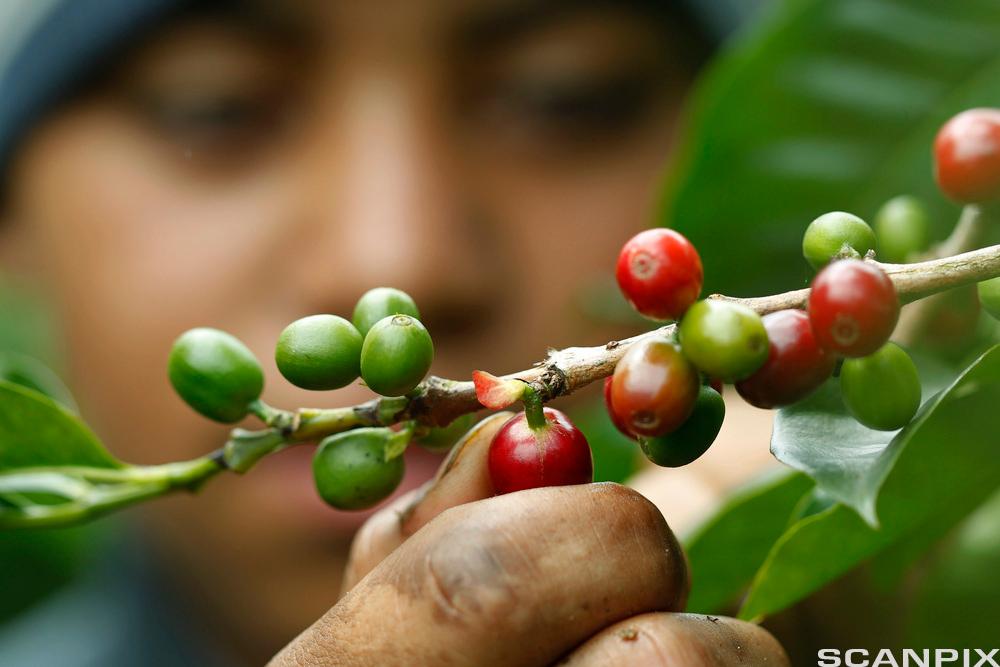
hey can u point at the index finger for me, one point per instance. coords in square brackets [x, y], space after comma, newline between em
[463, 477]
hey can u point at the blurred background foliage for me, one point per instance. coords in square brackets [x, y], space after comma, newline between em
[823, 105]
[37, 562]
[828, 105]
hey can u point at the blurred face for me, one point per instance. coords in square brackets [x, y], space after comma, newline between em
[243, 169]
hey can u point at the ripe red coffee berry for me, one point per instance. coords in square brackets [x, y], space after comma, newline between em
[654, 388]
[853, 307]
[967, 156]
[660, 273]
[796, 364]
[619, 424]
[525, 456]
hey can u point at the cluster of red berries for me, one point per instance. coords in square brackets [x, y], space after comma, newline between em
[658, 393]
[661, 393]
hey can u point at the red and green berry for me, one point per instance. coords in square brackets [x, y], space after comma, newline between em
[654, 388]
[796, 364]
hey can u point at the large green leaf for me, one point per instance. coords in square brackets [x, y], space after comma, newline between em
[36, 431]
[726, 550]
[956, 601]
[943, 466]
[848, 461]
[824, 105]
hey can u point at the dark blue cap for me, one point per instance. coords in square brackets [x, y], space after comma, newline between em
[46, 46]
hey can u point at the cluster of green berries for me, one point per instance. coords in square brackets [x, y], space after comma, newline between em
[384, 344]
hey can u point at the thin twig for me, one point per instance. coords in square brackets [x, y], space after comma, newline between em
[968, 234]
[564, 371]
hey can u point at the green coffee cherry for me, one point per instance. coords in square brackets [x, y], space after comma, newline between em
[319, 352]
[441, 439]
[351, 471]
[396, 355]
[882, 390]
[989, 296]
[827, 235]
[902, 226]
[725, 340]
[694, 436]
[215, 373]
[379, 303]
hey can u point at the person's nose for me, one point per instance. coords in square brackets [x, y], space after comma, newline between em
[388, 206]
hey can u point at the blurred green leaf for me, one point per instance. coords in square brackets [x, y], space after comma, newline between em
[824, 105]
[956, 602]
[726, 550]
[37, 431]
[848, 461]
[616, 458]
[935, 472]
[28, 372]
[36, 563]
[26, 327]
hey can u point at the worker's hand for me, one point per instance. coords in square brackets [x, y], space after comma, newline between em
[450, 575]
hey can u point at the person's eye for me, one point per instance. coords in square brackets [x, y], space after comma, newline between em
[217, 124]
[569, 112]
[580, 108]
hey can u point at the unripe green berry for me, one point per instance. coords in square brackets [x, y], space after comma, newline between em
[989, 296]
[723, 339]
[695, 435]
[379, 303]
[215, 374]
[396, 355]
[827, 236]
[351, 471]
[319, 352]
[902, 226]
[882, 390]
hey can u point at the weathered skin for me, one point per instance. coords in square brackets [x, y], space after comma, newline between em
[584, 573]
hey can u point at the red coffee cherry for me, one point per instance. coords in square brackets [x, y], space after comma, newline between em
[853, 307]
[967, 156]
[619, 424]
[795, 367]
[660, 273]
[522, 457]
[654, 388]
